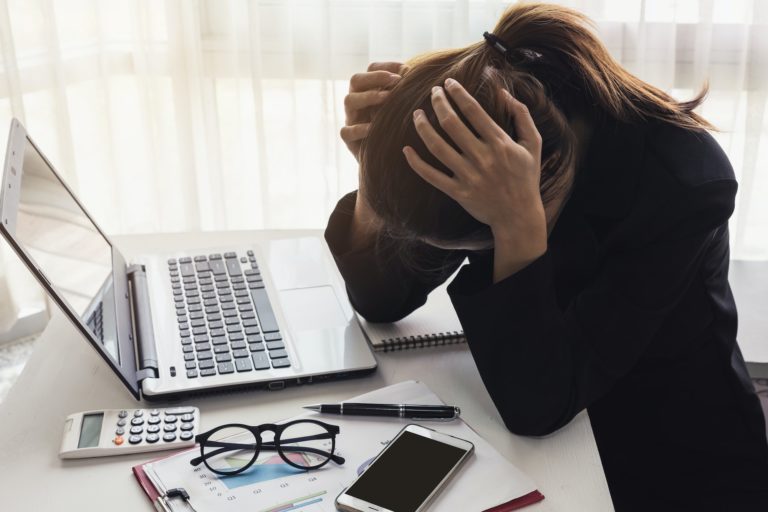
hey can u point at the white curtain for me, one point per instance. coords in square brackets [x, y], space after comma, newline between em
[205, 115]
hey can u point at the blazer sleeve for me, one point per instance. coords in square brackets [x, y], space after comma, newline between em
[383, 285]
[541, 363]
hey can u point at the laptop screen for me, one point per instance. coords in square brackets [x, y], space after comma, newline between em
[69, 249]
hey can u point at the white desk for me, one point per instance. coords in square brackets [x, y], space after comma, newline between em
[65, 375]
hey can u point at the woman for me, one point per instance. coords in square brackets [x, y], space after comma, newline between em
[593, 209]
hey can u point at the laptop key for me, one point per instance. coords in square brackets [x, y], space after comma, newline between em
[209, 295]
[254, 338]
[214, 256]
[236, 336]
[237, 354]
[234, 328]
[272, 336]
[190, 365]
[237, 345]
[216, 317]
[200, 330]
[251, 330]
[256, 347]
[198, 323]
[250, 323]
[275, 345]
[217, 332]
[191, 374]
[189, 357]
[260, 361]
[219, 340]
[195, 307]
[207, 372]
[221, 349]
[233, 267]
[202, 266]
[245, 315]
[200, 257]
[202, 347]
[208, 363]
[278, 354]
[186, 341]
[184, 327]
[264, 310]
[225, 368]
[217, 267]
[283, 362]
[223, 358]
[243, 365]
[215, 325]
[201, 338]
[207, 354]
[187, 269]
[229, 311]
[196, 315]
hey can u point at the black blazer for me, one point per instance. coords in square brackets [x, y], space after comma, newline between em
[629, 314]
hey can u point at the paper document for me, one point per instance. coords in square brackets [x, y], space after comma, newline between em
[486, 480]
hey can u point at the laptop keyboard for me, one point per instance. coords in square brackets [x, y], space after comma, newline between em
[226, 322]
[96, 321]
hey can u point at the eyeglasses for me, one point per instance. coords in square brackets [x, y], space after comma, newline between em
[303, 444]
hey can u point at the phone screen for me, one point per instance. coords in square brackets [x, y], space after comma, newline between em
[408, 471]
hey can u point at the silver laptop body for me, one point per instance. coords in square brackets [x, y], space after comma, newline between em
[264, 315]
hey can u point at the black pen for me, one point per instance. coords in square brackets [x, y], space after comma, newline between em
[412, 411]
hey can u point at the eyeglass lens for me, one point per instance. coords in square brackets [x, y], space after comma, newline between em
[229, 449]
[306, 445]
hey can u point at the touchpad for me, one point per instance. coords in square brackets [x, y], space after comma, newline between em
[312, 308]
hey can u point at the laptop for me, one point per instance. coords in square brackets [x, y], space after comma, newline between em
[264, 315]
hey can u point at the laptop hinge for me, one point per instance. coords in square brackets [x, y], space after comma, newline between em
[142, 319]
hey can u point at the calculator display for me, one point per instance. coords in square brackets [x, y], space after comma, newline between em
[90, 430]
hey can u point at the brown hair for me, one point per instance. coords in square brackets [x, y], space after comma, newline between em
[558, 69]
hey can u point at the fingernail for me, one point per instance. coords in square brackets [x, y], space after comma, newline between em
[450, 82]
[435, 89]
[417, 114]
[395, 78]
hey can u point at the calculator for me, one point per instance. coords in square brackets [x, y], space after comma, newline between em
[120, 431]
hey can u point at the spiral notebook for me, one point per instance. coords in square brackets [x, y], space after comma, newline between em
[433, 324]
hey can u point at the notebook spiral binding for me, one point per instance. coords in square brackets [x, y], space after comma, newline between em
[423, 341]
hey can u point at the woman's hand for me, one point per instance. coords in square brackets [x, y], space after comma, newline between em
[366, 92]
[495, 178]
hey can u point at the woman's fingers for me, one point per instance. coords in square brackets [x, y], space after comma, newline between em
[393, 67]
[437, 145]
[373, 80]
[436, 178]
[356, 102]
[528, 135]
[452, 124]
[475, 114]
[355, 132]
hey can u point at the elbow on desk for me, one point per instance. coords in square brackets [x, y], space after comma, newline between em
[535, 419]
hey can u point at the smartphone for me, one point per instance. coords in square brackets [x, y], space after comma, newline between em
[408, 473]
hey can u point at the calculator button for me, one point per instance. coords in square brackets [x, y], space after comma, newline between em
[137, 421]
[170, 428]
[152, 438]
[152, 429]
[139, 413]
[137, 430]
[176, 411]
[186, 436]
[121, 423]
[118, 440]
[169, 437]
[187, 426]
[120, 431]
[154, 412]
[170, 419]
[134, 439]
[188, 417]
[153, 420]
[122, 414]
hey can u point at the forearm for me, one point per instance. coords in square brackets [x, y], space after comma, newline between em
[380, 286]
[516, 247]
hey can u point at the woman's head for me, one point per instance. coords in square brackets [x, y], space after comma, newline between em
[556, 67]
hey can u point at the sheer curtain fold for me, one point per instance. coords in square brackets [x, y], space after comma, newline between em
[182, 115]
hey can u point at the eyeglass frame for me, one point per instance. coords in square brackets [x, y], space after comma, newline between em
[277, 429]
